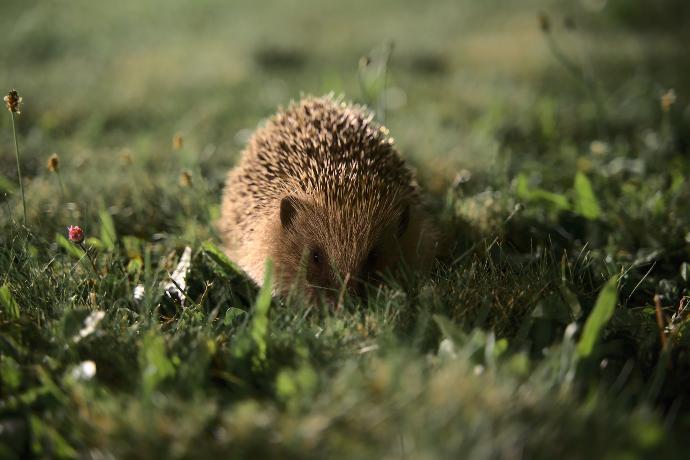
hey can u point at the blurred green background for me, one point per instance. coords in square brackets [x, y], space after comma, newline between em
[101, 77]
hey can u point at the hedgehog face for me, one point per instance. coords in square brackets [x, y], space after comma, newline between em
[322, 249]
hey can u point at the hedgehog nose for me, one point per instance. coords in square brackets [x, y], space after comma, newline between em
[350, 288]
[350, 284]
[354, 286]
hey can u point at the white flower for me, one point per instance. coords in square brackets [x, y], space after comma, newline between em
[446, 349]
[138, 293]
[90, 324]
[86, 370]
[175, 288]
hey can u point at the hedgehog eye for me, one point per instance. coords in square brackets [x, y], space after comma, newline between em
[316, 256]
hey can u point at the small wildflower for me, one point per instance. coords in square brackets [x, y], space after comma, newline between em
[186, 179]
[53, 163]
[76, 234]
[13, 101]
[86, 370]
[91, 323]
[544, 23]
[177, 142]
[138, 293]
[175, 289]
[599, 148]
[447, 349]
[668, 99]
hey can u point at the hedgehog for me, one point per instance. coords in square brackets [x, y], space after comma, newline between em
[322, 192]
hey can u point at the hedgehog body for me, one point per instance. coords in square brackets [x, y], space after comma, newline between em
[322, 192]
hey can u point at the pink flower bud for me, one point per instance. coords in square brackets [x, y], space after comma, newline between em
[76, 234]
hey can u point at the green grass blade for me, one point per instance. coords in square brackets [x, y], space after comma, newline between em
[9, 305]
[259, 328]
[586, 203]
[601, 314]
[219, 257]
[154, 361]
[554, 200]
[71, 248]
[6, 185]
[108, 234]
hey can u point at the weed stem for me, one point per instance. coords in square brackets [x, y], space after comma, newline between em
[19, 169]
[88, 256]
[589, 85]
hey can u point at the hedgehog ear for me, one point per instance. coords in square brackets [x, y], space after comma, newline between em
[288, 211]
[404, 221]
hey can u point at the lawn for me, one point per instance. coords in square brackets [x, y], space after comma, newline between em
[552, 139]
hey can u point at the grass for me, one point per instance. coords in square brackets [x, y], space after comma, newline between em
[562, 190]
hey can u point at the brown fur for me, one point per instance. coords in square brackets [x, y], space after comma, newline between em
[322, 192]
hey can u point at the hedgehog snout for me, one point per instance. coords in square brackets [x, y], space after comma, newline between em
[354, 283]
